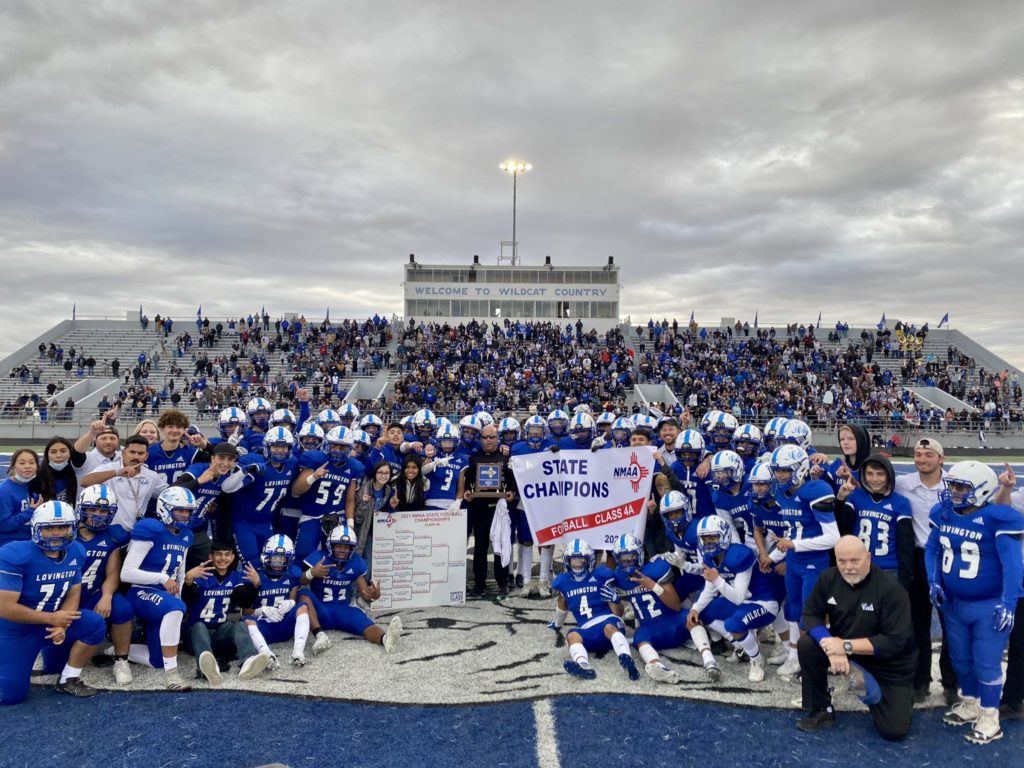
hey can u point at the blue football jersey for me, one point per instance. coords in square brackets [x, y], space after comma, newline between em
[764, 587]
[334, 586]
[971, 568]
[98, 550]
[328, 494]
[698, 490]
[525, 448]
[213, 598]
[171, 465]
[42, 582]
[276, 589]
[584, 597]
[206, 494]
[444, 481]
[736, 507]
[876, 524]
[168, 550]
[647, 606]
[793, 517]
[262, 494]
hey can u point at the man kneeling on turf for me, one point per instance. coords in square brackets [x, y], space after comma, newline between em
[587, 591]
[329, 576]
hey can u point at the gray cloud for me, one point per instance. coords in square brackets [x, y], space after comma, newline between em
[848, 157]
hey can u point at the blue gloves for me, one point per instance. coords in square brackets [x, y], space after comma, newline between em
[1002, 619]
[936, 595]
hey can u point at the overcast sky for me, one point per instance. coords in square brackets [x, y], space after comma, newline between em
[847, 157]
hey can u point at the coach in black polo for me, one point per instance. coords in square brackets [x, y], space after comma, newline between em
[858, 625]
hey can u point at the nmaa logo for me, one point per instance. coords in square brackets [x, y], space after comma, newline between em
[635, 472]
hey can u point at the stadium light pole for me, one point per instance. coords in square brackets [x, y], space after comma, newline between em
[515, 167]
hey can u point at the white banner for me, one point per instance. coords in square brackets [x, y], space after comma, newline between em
[419, 558]
[592, 495]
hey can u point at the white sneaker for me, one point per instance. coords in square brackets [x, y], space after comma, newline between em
[964, 712]
[780, 655]
[209, 668]
[273, 664]
[528, 589]
[321, 644]
[544, 590]
[713, 671]
[173, 681]
[986, 728]
[253, 666]
[756, 673]
[791, 667]
[393, 634]
[298, 660]
[122, 672]
[660, 673]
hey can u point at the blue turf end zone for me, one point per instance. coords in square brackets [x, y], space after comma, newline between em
[227, 729]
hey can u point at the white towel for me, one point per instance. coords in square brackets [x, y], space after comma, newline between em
[501, 533]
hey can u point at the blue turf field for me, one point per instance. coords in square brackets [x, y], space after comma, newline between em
[155, 729]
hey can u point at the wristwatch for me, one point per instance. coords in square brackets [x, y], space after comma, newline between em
[847, 647]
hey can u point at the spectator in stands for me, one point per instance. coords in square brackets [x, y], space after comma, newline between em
[19, 496]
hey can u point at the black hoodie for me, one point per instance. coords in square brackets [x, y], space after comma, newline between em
[863, 445]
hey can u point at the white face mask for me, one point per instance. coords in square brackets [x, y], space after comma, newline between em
[22, 479]
[57, 466]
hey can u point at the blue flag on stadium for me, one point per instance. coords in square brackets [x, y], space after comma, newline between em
[140, 311]
[755, 318]
[74, 310]
[881, 323]
[944, 320]
[199, 312]
[819, 319]
[327, 317]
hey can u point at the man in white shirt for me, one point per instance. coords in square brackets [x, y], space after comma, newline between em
[133, 483]
[922, 489]
[107, 445]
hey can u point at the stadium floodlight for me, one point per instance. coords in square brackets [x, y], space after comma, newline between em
[514, 167]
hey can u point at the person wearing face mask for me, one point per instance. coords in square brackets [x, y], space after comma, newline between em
[858, 626]
[19, 496]
[57, 479]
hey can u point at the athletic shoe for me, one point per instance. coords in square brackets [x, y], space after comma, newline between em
[209, 668]
[74, 686]
[393, 634]
[964, 712]
[525, 589]
[502, 594]
[581, 669]
[123, 672]
[273, 664]
[712, 670]
[817, 720]
[174, 682]
[544, 590]
[321, 644]
[253, 666]
[298, 660]
[660, 673]
[780, 656]
[519, 582]
[627, 663]
[738, 656]
[627, 613]
[756, 673]
[790, 668]
[985, 729]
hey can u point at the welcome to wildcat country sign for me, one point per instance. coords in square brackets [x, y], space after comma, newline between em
[596, 496]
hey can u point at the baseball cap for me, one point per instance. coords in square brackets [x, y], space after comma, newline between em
[225, 449]
[927, 444]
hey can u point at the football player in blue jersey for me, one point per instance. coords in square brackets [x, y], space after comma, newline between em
[796, 432]
[737, 599]
[676, 511]
[362, 444]
[391, 450]
[169, 456]
[211, 591]
[581, 433]
[469, 434]
[535, 440]
[509, 432]
[207, 481]
[749, 444]
[40, 588]
[265, 484]
[873, 512]
[732, 496]
[802, 520]
[973, 557]
[330, 575]
[232, 423]
[721, 432]
[326, 483]
[348, 415]
[328, 419]
[558, 424]
[101, 572]
[442, 472]
[277, 616]
[373, 426]
[604, 422]
[620, 433]
[690, 456]
[155, 567]
[284, 417]
[587, 591]
[770, 431]
[656, 605]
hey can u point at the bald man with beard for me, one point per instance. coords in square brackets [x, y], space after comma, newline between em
[858, 625]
